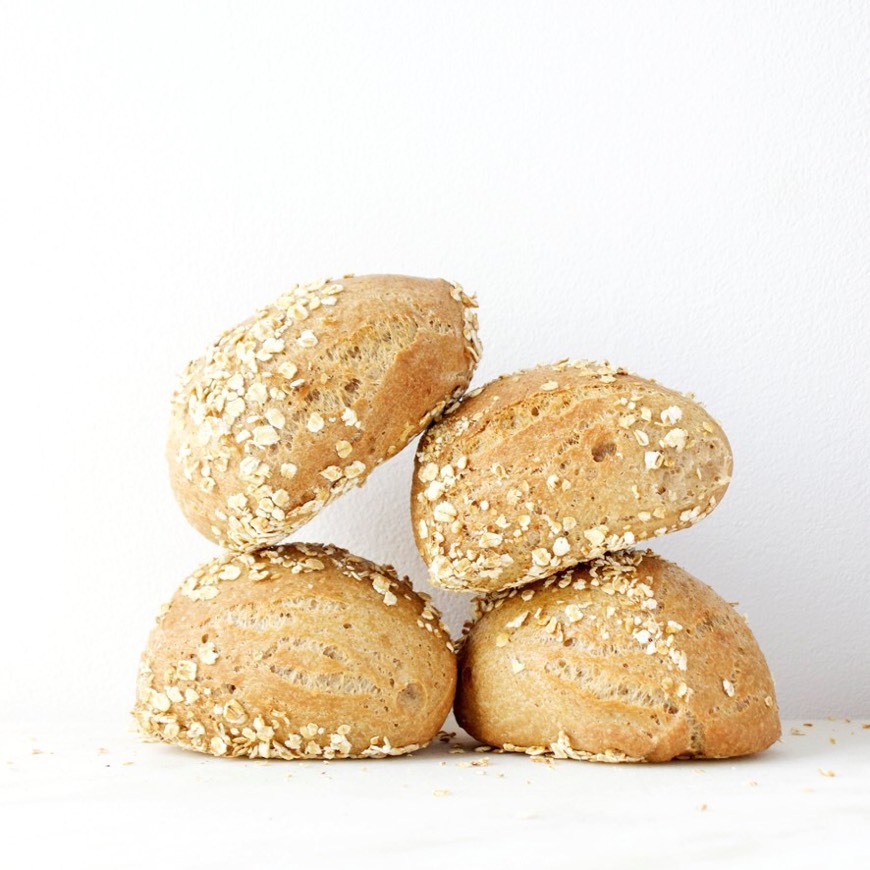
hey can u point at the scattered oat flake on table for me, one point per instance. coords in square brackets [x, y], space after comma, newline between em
[824, 772]
[441, 792]
[478, 762]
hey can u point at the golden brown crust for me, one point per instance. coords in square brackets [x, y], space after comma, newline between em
[558, 464]
[298, 651]
[299, 403]
[628, 658]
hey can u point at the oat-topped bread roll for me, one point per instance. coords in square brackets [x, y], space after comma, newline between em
[299, 403]
[299, 651]
[556, 465]
[628, 658]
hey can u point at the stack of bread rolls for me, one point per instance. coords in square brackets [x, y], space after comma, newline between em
[531, 491]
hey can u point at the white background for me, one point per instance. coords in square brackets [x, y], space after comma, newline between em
[680, 188]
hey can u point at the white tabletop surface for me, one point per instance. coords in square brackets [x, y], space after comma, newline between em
[76, 797]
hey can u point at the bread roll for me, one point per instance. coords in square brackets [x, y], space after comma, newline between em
[628, 658]
[299, 403]
[556, 465]
[300, 651]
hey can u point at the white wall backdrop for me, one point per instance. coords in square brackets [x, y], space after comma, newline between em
[682, 188]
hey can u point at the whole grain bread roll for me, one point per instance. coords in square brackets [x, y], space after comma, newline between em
[628, 658]
[299, 651]
[297, 404]
[556, 465]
